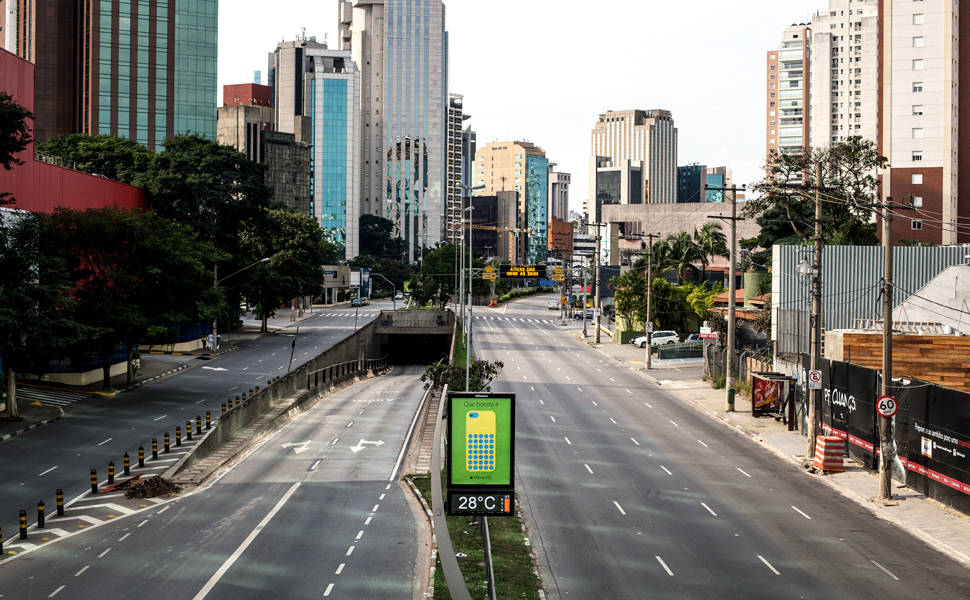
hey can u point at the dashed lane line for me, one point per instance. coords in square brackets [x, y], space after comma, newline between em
[56, 592]
[634, 441]
[619, 508]
[83, 569]
[742, 471]
[340, 569]
[567, 440]
[664, 565]
[713, 514]
[703, 444]
[328, 590]
[799, 511]
[666, 470]
[884, 569]
[768, 564]
[588, 469]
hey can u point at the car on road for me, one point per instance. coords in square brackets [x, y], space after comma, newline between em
[578, 315]
[358, 302]
[399, 296]
[693, 338]
[552, 305]
[657, 338]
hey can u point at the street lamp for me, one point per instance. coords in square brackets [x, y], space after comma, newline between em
[215, 286]
[468, 345]
[393, 289]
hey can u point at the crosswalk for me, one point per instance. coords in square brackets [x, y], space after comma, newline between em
[48, 396]
[348, 314]
[515, 319]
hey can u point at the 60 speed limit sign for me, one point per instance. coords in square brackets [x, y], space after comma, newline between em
[887, 406]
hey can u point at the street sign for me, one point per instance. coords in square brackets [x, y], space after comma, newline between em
[557, 274]
[481, 454]
[708, 336]
[704, 330]
[648, 328]
[489, 273]
[887, 406]
[815, 380]
[520, 272]
[596, 312]
[563, 300]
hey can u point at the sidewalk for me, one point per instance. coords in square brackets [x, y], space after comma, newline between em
[942, 528]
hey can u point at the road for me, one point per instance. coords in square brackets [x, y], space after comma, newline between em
[97, 430]
[630, 494]
[314, 511]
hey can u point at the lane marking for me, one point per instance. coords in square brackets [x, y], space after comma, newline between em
[800, 512]
[376, 506]
[664, 565]
[367, 520]
[245, 544]
[619, 508]
[567, 440]
[83, 569]
[334, 441]
[160, 418]
[627, 391]
[768, 564]
[328, 590]
[360, 534]
[594, 402]
[703, 444]
[339, 569]
[578, 388]
[709, 509]
[105, 552]
[122, 538]
[105, 442]
[541, 402]
[667, 471]
[351, 424]
[614, 421]
[56, 592]
[634, 441]
[142, 523]
[742, 471]
[884, 569]
[382, 496]
[674, 424]
[588, 469]
[648, 404]
[47, 471]
[611, 379]
[532, 388]
[314, 466]
[553, 418]
[350, 551]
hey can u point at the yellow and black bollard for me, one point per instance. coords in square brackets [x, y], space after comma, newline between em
[223, 408]
[250, 392]
[23, 524]
[60, 502]
[257, 389]
[178, 435]
[198, 424]
[237, 399]
[188, 430]
[141, 456]
[208, 420]
[126, 463]
[154, 448]
[41, 512]
[167, 440]
[111, 472]
[94, 481]
[244, 396]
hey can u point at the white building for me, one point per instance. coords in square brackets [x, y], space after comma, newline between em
[647, 136]
[455, 171]
[786, 111]
[558, 194]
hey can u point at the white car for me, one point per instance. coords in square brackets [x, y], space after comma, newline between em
[399, 296]
[657, 338]
[553, 305]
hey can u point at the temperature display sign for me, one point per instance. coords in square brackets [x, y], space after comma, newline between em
[481, 449]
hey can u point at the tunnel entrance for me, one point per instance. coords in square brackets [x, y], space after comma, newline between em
[415, 337]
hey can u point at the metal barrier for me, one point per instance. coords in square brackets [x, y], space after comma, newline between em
[342, 371]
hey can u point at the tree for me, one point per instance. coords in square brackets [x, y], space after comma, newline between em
[120, 159]
[377, 239]
[436, 280]
[14, 135]
[33, 302]
[630, 297]
[682, 307]
[711, 242]
[297, 251]
[481, 373]
[130, 271]
[786, 206]
[678, 253]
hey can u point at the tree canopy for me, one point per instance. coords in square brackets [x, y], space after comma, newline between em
[117, 158]
[14, 135]
[377, 239]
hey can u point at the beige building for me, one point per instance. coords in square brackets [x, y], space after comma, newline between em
[647, 136]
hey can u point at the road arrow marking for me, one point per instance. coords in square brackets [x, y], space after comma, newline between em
[213, 368]
[298, 447]
[360, 445]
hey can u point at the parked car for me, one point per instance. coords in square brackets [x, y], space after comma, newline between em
[552, 305]
[657, 338]
[578, 315]
[399, 296]
[358, 302]
[693, 338]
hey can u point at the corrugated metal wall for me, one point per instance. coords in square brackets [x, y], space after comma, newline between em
[851, 285]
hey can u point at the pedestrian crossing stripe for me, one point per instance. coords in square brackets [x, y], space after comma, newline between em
[49, 397]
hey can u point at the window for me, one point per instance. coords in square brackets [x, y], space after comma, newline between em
[917, 179]
[918, 41]
[771, 56]
[917, 87]
[917, 201]
[918, 19]
[917, 133]
[916, 225]
[917, 64]
[917, 155]
[917, 109]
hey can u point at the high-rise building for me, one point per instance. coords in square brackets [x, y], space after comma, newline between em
[787, 102]
[690, 183]
[615, 182]
[502, 232]
[319, 88]
[469, 146]
[401, 47]
[456, 161]
[143, 70]
[646, 136]
[520, 167]
[558, 194]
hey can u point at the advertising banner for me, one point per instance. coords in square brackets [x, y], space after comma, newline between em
[848, 408]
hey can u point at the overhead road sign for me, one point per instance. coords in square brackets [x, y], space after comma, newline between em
[521, 272]
[481, 454]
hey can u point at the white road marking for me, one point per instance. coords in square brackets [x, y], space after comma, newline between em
[57, 591]
[611, 379]
[382, 496]
[367, 520]
[634, 441]
[334, 441]
[328, 590]
[541, 402]
[376, 506]
[768, 564]
[532, 388]
[245, 544]
[884, 569]
[619, 508]
[709, 509]
[594, 402]
[567, 440]
[614, 421]
[83, 569]
[742, 471]
[588, 469]
[245, 368]
[105, 552]
[664, 565]
[351, 424]
[648, 404]
[360, 534]
[350, 551]
[666, 470]
[163, 510]
[799, 511]
[122, 538]
[553, 418]
[579, 388]
[339, 569]
[160, 418]
[627, 391]
[674, 424]
[105, 442]
[142, 523]
[703, 444]
[47, 471]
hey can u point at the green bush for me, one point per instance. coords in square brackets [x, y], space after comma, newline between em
[523, 292]
[717, 382]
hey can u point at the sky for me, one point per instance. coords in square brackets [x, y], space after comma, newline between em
[544, 70]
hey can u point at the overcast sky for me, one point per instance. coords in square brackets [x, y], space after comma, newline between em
[543, 70]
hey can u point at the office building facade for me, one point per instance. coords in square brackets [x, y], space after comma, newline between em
[401, 47]
[453, 191]
[558, 194]
[615, 182]
[646, 136]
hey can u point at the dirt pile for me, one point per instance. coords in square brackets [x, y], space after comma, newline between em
[153, 487]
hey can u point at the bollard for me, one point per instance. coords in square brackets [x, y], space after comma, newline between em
[154, 449]
[41, 510]
[111, 472]
[60, 502]
[126, 463]
[167, 450]
[257, 389]
[188, 430]
[198, 425]
[250, 392]
[94, 481]
[237, 399]
[1, 540]
[208, 420]
[223, 408]
[243, 396]
[23, 524]
[141, 456]
[178, 435]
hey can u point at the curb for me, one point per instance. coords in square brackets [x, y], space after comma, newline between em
[138, 384]
[429, 593]
[31, 426]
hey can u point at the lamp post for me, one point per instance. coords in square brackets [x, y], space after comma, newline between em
[468, 324]
[393, 289]
[215, 285]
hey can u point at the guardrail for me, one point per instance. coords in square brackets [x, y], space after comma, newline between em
[342, 371]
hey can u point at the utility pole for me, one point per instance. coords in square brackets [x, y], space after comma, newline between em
[885, 425]
[648, 322]
[816, 351]
[596, 286]
[729, 363]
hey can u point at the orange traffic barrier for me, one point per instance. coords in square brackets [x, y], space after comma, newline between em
[829, 451]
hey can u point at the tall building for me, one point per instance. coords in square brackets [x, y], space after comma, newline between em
[401, 47]
[690, 183]
[787, 81]
[844, 80]
[469, 145]
[503, 232]
[558, 194]
[143, 70]
[615, 182]
[520, 167]
[319, 88]
[646, 136]
[456, 161]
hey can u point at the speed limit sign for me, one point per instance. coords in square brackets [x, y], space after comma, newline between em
[887, 406]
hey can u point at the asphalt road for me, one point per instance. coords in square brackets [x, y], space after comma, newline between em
[629, 494]
[98, 430]
[314, 511]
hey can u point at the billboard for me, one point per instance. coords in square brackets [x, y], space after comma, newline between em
[481, 453]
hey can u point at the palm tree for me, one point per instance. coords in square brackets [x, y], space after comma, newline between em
[684, 251]
[711, 242]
